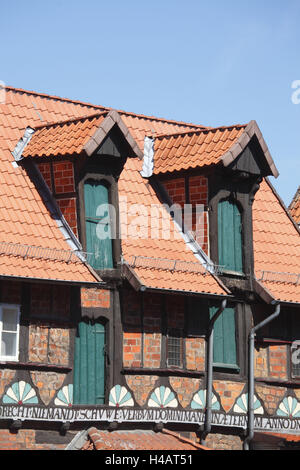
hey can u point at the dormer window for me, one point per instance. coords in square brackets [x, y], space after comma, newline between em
[98, 224]
[230, 239]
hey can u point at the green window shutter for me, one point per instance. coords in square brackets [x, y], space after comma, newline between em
[89, 364]
[225, 337]
[230, 243]
[97, 223]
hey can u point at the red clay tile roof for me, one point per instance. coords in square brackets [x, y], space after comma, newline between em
[53, 108]
[63, 138]
[276, 246]
[76, 136]
[133, 190]
[140, 126]
[199, 148]
[193, 149]
[24, 218]
[294, 207]
[139, 440]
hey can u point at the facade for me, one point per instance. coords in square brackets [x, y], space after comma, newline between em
[149, 281]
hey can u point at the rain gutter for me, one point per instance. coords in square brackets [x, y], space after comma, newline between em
[209, 375]
[250, 430]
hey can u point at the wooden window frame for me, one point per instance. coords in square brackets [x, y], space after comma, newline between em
[106, 352]
[181, 338]
[293, 376]
[236, 203]
[14, 358]
[113, 200]
[221, 186]
[234, 368]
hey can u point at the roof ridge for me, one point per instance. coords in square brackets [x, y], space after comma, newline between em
[155, 118]
[107, 108]
[45, 95]
[199, 131]
[70, 120]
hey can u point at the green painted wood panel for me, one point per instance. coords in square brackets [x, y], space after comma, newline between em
[230, 244]
[225, 337]
[89, 364]
[97, 223]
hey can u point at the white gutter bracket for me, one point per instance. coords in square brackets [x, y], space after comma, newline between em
[17, 152]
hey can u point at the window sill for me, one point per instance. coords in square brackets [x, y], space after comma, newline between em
[272, 341]
[228, 272]
[295, 382]
[228, 368]
[8, 360]
[162, 372]
[113, 274]
[34, 366]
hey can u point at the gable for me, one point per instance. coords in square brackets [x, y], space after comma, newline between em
[115, 145]
[251, 136]
[251, 160]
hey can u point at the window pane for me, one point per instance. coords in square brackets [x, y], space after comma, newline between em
[9, 319]
[295, 370]
[8, 344]
[295, 359]
[174, 352]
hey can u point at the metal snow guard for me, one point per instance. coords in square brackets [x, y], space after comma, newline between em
[38, 252]
[172, 265]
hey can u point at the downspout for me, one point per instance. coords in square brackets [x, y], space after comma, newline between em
[250, 431]
[209, 374]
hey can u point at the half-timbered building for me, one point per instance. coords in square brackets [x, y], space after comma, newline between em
[149, 281]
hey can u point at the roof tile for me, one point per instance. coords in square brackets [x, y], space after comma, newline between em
[25, 220]
[276, 246]
[59, 139]
[191, 149]
[140, 440]
[156, 244]
[276, 240]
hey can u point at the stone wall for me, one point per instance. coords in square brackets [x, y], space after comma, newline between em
[224, 442]
[271, 361]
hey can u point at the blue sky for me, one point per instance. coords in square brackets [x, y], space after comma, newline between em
[214, 63]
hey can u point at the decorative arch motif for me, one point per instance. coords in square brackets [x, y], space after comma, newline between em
[241, 405]
[20, 393]
[163, 397]
[199, 401]
[120, 397]
[289, 408]
[64, 396]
